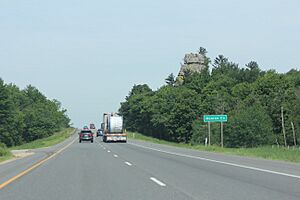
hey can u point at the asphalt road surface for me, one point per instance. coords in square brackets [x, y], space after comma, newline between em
[141, 170]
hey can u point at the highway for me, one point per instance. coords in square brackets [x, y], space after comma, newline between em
[142, 170]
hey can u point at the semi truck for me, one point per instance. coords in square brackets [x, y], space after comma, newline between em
[112, 127]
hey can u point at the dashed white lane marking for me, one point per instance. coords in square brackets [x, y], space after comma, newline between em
[108, 151]
[158, 182]
[128, 163]
[220, 162]
[104, 148]
[115, 155]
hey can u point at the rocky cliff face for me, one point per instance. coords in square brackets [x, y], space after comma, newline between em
[193, 62]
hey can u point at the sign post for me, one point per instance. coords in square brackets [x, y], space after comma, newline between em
[208, 133]
[215, 118]
[222, 135]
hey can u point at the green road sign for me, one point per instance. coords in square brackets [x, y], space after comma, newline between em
[215, 118]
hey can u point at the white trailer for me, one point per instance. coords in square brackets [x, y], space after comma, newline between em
[113, 128]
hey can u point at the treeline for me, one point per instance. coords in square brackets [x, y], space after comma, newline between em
[252, 98]
[27, 115]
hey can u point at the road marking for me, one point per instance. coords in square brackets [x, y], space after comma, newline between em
[101, 145]
[128, 163]
[158, 182]
[34, 166]
[115, 155]
[108, 151]
[220, 162]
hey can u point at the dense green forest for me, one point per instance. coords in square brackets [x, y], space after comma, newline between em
[27, 115]
[252, 98]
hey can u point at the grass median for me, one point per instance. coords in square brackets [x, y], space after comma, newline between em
[5, 153]
[266, 152]
[46, 142]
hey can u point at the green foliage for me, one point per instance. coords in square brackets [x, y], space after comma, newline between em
[251, 73]
[200, 132]
[251, 97]
[198, 81]
[27, 115]
[202, 51]
[167, 113]
[54, 139]
[4, 152]
[170, 80]
[136, 108]
[249, 127]
[174, 110]
[274, 91]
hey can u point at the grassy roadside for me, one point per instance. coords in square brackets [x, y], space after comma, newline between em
[46, 142]
[290, 155]
[5, 153]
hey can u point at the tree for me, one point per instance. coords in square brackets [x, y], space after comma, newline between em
[223, 67]
[174, 110]
[252, 65]
[170, 80]
[245, 128]
[220, 60]
[135, 110]
[248, 95]
[26, 115]
[274, 91]
[11, 119]
[202, 51]
[251, 73]
[137, 89]
[197, 82]
[200, 132]
[6, 111]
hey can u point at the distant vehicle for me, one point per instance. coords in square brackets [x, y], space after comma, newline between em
[112, 127]
[85, 128]
[93, 128]
[86, 135]
[99, 132]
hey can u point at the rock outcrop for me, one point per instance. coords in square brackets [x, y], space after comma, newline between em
[193, 63]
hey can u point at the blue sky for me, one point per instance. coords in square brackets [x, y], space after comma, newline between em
[88, 54]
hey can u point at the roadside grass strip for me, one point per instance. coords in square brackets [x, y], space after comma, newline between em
[48, 141]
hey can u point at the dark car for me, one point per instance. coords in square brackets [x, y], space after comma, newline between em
[99, 132]
[86, 135]
[92, 126]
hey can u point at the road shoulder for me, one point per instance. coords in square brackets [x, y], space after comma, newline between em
[251, 162]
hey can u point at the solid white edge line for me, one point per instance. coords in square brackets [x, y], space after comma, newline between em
[158, 182]
[220, 162]
[128, 163]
